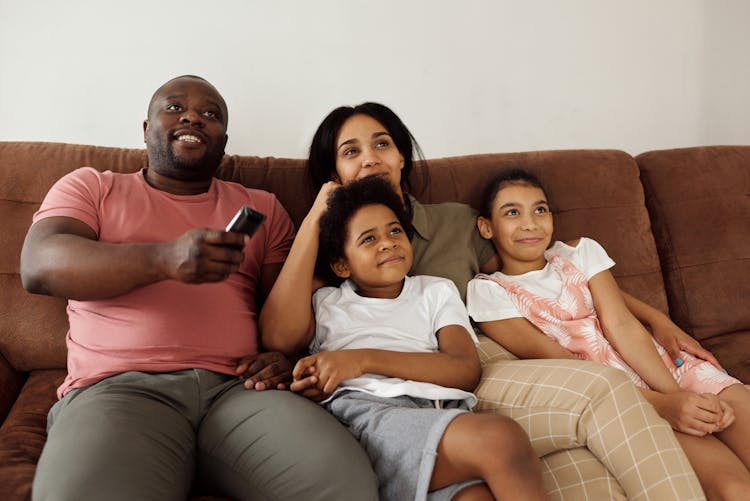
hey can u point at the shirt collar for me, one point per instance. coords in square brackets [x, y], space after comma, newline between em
[419, 219]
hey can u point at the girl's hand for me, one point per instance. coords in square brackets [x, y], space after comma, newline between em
[674, 340]
[330, 368]
[696, 414]
[728, 416]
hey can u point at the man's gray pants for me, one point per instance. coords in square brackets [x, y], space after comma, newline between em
[154, 436]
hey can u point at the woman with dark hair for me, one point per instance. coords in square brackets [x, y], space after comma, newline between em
[575, 413]
[321, 162]
[445, 239]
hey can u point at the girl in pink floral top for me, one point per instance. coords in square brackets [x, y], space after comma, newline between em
[563, 302]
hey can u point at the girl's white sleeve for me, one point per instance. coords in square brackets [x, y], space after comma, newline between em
[487, 301]
[592, 258]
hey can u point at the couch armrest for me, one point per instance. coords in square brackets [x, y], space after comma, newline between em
[11, 382]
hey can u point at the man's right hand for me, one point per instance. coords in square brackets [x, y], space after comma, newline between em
[63, 257]
[203, 255]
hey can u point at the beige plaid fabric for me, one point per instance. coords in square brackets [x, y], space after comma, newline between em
[597, 436]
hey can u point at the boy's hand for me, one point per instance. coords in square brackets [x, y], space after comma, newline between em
[696, 414]
[307, 387]
[264, 371]
[330, 368]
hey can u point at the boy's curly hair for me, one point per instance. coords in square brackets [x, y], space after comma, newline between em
[342, 205]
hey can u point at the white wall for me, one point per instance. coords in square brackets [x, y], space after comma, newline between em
[466, 77]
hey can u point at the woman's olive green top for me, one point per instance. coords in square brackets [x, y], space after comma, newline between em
[447, 243]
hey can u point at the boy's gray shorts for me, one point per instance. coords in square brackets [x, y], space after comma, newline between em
[401, 436]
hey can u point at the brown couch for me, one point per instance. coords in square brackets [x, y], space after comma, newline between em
[676, 222]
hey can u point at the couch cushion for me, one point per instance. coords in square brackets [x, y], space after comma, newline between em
[699, 202]
[12, 381]
[23, 433]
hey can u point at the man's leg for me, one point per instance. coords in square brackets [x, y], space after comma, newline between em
[123, 438]
[274, 444]
[570, 404]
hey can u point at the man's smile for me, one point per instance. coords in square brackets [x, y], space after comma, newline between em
[189, 136]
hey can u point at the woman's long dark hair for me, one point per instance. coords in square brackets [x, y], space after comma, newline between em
[321, 163]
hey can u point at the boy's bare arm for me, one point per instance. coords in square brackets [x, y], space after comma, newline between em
[456, 365]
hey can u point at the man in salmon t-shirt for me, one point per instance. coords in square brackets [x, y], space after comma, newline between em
[165, 376]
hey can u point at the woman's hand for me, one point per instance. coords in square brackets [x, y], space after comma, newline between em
[320, 204]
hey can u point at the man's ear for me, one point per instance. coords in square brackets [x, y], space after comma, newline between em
[485, 227]
[341, 269]
[145, 130]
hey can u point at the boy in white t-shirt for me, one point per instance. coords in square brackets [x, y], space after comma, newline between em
[562, 302]
[399, 355]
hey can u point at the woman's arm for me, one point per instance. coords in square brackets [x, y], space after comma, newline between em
[627, 335]
[666, 332]
[287, 322]
[456, 365]
[524, 339]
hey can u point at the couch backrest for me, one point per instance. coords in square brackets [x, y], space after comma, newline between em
[699, 201]
[595, 193]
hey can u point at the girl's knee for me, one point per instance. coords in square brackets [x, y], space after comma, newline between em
[502, 437]
[737, 395]
[726, 486]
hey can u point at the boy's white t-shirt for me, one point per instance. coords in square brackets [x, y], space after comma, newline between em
[487, 300]
[409, 323]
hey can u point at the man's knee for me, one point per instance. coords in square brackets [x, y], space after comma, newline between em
[289, 449]
[103, 446]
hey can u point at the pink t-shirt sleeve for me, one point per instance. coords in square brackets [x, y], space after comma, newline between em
[280, 232]
[75, 195]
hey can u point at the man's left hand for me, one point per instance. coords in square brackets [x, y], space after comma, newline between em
[267, 370]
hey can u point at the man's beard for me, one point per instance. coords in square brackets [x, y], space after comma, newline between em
[162, 158]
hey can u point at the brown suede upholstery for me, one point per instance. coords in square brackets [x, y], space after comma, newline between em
[697, 199]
